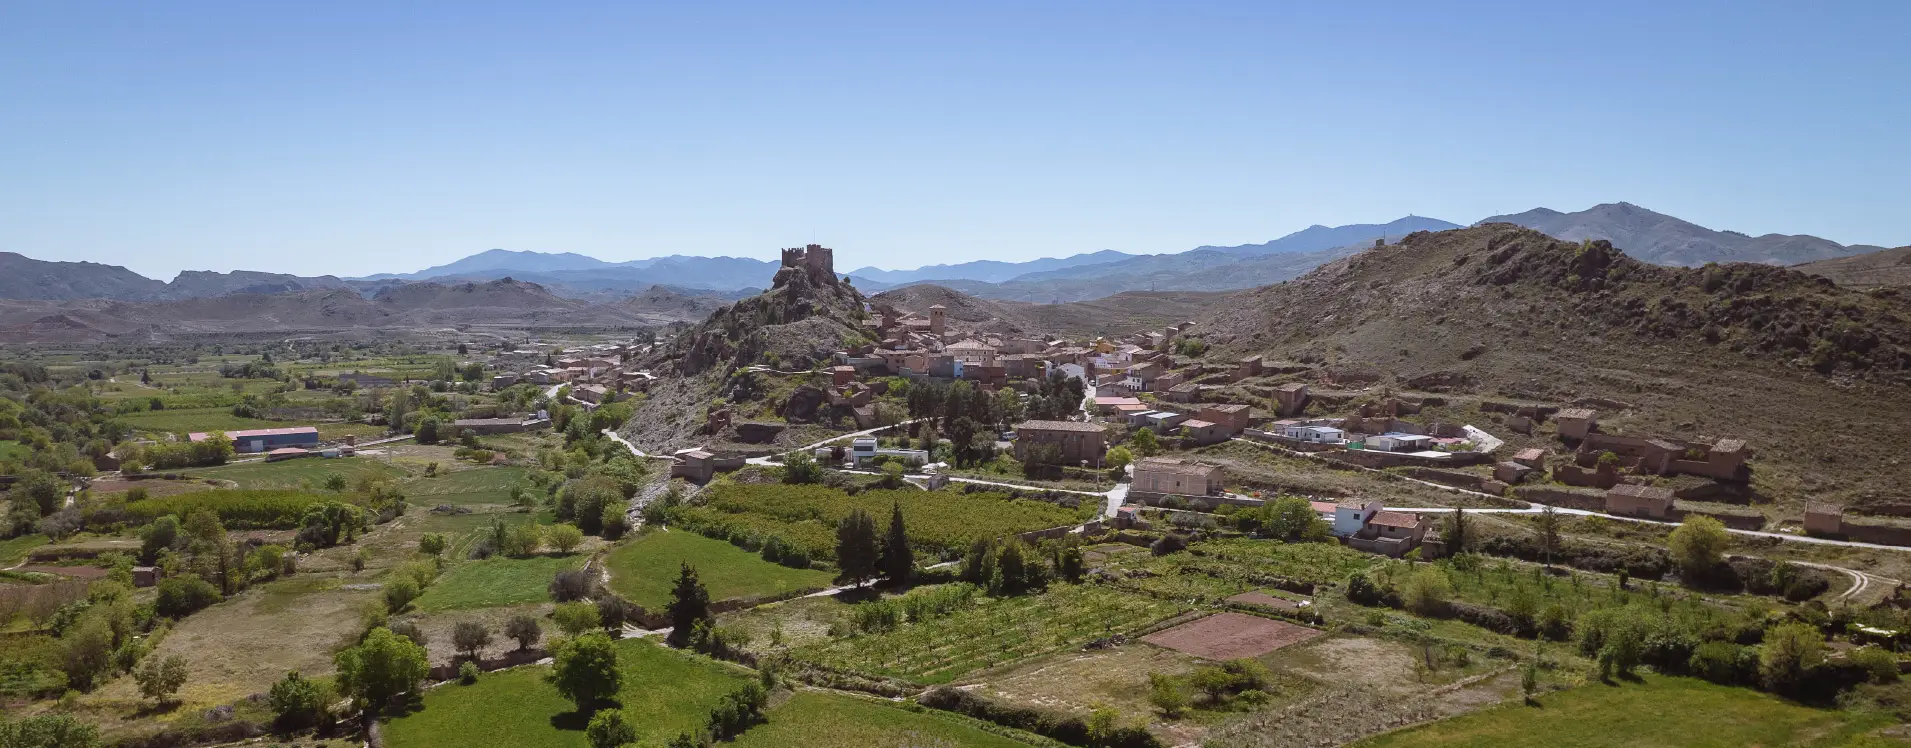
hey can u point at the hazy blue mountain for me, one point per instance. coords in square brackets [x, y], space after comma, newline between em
[1664, 240]
[492, 260]
[1317, 237]
[991, 271]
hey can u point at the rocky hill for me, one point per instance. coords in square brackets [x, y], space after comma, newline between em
[1113, 315]
[1816, 377]
[1664, 240]
[807, 315]
[22, 277]
[1884, 268]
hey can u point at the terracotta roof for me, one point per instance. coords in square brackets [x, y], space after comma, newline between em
[1401, 520]
[1196, 423]
[1323, 507]
[1579, 413]
[1642, 492]
[1057, 426]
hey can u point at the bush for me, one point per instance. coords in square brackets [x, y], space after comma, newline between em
[1723, 662]
[569, 586]
[432, 544]
[399, 592]
[574, 619]
[609, 730]
[297, 703]
[1880, 664]
[1168, 543]
[468, 673]
[184, 595]
[1426, 592]
[564, 538]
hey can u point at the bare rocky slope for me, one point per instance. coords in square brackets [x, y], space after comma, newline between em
[796, 325]
[1884, 268]
[1113, 315]
[1816, 377]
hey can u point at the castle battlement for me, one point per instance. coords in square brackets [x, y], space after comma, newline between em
[815, 258]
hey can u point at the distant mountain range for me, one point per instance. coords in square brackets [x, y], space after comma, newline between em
[1663, 240]
[1644, 234]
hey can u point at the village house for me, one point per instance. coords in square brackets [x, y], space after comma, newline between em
[592, 393]
[841, 375]
[1247, 367]
[1168, 381]
[972, 352]
[1198, 431]
[1232, 417]
[1400, 442]
[1350, 517]
[1109, 406]
[699, 466]
[1824, 519]
[1290, 398]
[1315, 434]
[1079, 442]
[1142, 377]
[1576, 423]
[1391, 533]
[1630, 500]
[1165, 475]
[1021, 366]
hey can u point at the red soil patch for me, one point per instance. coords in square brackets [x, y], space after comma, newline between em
[1265, 600]
[1226, 636]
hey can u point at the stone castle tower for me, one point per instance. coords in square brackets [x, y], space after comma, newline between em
[817, 260]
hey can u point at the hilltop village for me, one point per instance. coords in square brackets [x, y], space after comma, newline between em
[824, 516]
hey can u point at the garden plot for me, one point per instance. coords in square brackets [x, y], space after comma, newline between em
[992, 633]
[1226, 636]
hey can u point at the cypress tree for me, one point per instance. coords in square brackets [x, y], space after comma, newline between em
[898, 561]
[689, 605]
[856, 547]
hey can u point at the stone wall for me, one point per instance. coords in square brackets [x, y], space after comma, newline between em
[1562, 498]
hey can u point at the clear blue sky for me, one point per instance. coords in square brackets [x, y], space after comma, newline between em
[361, 137]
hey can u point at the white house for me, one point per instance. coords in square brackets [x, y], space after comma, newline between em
[1395, 441]
[1352, 517]
[1315, 434]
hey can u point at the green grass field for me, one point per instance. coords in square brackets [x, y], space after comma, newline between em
[482, 485]
[644, 569]
[188, 420]
[306, 473]
[494, 582]
[15, 550]
[1659, 711]
[817, 720]
[194, 419]
[664, 693]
